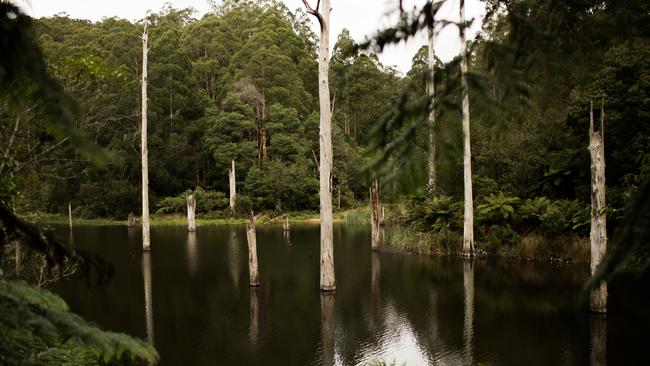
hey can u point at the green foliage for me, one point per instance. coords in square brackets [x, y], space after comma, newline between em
[497, 208]
[38, 329]
[206, 201]
[437, 213]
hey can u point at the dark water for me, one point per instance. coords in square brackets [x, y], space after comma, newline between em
[191, 298]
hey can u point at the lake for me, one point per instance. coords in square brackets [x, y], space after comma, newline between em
[190, 297]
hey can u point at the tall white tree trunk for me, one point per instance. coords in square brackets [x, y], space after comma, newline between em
[468, 226]
[376, 216]
[598, 235]
[191, 209]
[431, 184]
[146, 243]
[233, 189]
[327, 278]
[252, 253]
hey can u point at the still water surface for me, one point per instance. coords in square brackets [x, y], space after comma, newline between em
[190, 297]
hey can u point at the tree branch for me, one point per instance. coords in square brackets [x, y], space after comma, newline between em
[314, 12]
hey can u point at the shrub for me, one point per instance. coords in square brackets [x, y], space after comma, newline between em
[497, 208]
[434, 213]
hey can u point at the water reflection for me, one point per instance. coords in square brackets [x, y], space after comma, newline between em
[287, 236]
[234, 257]
[468, 324]
[375, 287]
[254, 324]
[327, 301]
[192, 252]
[598, 340]
[148, 299]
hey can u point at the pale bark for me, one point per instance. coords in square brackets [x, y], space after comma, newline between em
[598, 235]
[431, 184]
[285, 225]
[146, 244]
[376, 216]
[70, 215]
[191, 209]
[148, 297]
[327, 276]
[233, 186]
[598, 354]
[327, 302]
[252, 253]
[131, 220]
[468, 324]
[468, 217]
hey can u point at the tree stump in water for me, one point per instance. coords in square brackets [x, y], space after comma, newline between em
[191, 208]
[252, 252]
[131, 220]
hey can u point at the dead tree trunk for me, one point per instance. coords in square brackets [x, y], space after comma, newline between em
[252, 252]
[468, 226]
[19, 262]
[285, 226]
[131, 220]
[233, 188]
[191, 209]
[376, 216]
[146, 243]
[431, 184]
[598, 235]
[70, 214]
[327, 277]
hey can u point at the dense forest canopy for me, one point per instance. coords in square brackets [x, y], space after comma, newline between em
[241, 84]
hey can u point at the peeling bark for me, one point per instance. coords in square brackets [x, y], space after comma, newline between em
[598, 234]
[431, 184]
[468, 217]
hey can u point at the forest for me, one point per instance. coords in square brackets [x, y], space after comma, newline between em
[239, 88]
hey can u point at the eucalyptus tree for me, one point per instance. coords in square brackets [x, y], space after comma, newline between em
[327, 276]
[146, 242]
[468, 217]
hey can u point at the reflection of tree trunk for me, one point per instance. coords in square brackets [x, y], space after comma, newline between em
[598, 341]
[468, 326]
[148, 298]
[375, 286]
[598, 235]
[191, 208]
[233, 258]
[253, 332]
[286, 226]
[70, 215]
[192, 255]
[252, 253]
[327, 327]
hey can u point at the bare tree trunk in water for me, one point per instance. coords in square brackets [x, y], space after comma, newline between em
[598, 235]
[148, 297]
[146, 243]
[376, 216]
[131, 220]
[431, 185]
[327, 302]
[468, 226]
[252, 252]
[191, 208]
[233, 189]
[327, 277]
[598, 340]
[468, 326]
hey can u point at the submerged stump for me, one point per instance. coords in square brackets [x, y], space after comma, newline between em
[252, 252]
